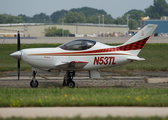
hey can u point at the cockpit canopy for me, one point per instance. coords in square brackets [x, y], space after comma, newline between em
[81, 44]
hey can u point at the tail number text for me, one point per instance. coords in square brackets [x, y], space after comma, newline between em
[104, 60]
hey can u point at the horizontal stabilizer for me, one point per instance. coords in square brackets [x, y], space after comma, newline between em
[135, 58]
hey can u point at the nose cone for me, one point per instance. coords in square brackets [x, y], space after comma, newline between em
[16, 55]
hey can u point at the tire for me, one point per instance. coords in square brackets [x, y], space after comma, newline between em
[71, 84]
[34, 84]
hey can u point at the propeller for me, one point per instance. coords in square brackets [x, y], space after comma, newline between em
[18, 48]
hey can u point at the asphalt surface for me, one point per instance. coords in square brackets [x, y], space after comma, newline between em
[34, 112]
[67, 39]
[108, 79]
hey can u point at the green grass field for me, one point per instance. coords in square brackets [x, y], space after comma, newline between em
[156, 56]
[16, 97]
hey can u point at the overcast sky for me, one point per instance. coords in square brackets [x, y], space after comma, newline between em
[115, 8]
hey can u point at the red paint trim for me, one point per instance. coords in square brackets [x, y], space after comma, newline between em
[78, 62]
[132, 46]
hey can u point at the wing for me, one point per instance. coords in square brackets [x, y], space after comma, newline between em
[72, 64]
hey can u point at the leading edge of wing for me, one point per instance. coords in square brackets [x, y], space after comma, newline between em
[71, 64]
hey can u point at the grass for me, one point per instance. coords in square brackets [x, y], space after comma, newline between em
[156, 56]
[88, 118]
[42, 97]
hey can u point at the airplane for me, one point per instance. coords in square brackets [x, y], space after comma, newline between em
[82, 55]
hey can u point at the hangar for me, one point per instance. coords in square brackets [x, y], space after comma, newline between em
[162, 25]
[37, 29]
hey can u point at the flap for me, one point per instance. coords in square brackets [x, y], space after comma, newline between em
[135, 58]
[72, 64]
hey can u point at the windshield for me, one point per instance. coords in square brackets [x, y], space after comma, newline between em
[78, 45]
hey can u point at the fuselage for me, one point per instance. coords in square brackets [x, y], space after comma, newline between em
[82, 54]
[97, 57]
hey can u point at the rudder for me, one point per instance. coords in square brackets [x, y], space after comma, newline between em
[135, 43]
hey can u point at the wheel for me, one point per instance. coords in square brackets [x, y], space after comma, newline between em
[71, 84]
[34, 84]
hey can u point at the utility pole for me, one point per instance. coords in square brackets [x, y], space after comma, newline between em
[128, 23]
[76, 24]
[63, 26]
[99, 25]
[103, 23]
[44, 27]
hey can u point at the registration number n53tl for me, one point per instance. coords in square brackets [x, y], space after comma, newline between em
[104, 60]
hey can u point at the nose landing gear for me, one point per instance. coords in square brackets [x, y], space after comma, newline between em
[34, 82]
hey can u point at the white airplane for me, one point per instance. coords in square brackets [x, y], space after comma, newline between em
[82, 55]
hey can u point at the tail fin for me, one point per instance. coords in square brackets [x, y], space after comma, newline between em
[135, 43]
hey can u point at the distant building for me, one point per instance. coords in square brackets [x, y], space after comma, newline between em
[162, 25]
[38, 29]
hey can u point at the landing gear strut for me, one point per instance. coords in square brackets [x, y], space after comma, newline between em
[68, 79]
[34, 82]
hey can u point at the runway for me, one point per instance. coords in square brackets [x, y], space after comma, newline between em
[82, 80]
[34, 112]
[61, 40]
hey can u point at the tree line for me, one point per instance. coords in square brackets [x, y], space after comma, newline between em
[54, 31]
[90, 15]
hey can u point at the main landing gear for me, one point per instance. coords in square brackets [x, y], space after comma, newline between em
[68, 79]
[34, 82]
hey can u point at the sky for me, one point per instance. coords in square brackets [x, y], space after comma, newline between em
[116, 8]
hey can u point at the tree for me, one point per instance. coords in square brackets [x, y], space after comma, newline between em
[108, 19]
[5, 18]
[84, 14]
[159, 9]
[25, 18]
[134, 14]
[93, 19]
[41, 18]
[119, 21]
[73, 17]
[133, 24]
[87, 11]
[37, 18]
[57, 15]
[53, 31]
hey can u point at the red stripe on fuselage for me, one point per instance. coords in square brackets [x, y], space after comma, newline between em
[132, 46]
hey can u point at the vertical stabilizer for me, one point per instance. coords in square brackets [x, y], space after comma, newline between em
[135, 43]
[142, 34]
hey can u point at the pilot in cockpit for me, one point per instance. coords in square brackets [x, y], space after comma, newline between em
[83, 45]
